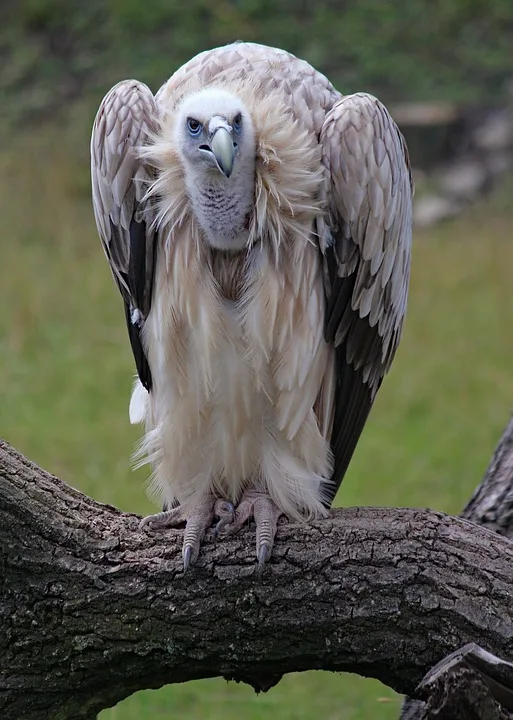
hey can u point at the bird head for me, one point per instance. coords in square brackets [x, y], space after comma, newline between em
[214, 135]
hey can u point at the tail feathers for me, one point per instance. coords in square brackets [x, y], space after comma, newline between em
[138, 403]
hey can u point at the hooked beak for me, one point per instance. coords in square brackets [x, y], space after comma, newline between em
[223, 147]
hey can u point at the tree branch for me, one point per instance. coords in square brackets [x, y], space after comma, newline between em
[491, 506]
[93, 610]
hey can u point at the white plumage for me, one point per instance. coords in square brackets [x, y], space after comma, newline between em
[258, 225]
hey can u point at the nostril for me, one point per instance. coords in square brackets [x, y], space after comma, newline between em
[204, 147]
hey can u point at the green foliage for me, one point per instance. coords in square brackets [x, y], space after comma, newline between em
[56, 50]
[66, 370]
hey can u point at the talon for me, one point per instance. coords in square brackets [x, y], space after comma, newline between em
[186, 554]
[266, 513]
[219, 527]
[165, 519]
[197, 521]
[225, 511]
[263, 554]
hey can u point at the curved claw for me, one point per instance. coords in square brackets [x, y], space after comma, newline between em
[145, 522]
[187, 556]
[197, 521]
[266, 513]
[225, 511]
[161, 520]
[264, 553]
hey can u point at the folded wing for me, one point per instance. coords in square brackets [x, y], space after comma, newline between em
[120, 180]
[367, 258]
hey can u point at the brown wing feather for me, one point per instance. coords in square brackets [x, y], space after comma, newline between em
[367, 259]
[119, 182]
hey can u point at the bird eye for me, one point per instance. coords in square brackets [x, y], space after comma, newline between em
[237, 123]
[194, 126]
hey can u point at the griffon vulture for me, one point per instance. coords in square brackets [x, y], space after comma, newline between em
[258, 226]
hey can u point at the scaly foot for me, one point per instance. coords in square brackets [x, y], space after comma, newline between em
[196, 522]
[266, 515]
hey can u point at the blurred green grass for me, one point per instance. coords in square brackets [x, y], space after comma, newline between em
[66, 372]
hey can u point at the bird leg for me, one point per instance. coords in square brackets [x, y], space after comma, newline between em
[197, 522]
[263, 509]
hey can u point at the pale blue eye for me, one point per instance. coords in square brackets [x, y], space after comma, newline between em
[193, 126]
[237, 123]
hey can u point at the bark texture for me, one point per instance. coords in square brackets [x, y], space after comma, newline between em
[92, 610]
[462, 695]
[491, 506]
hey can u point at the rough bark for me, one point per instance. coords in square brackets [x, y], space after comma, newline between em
[91, 610]
[491, 506]
[463, 695]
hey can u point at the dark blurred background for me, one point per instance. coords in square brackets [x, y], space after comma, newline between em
[416, 50]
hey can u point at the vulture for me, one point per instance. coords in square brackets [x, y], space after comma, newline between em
[258, 225]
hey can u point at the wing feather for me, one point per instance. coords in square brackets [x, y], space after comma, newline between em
[367, 260]
[120, 180]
